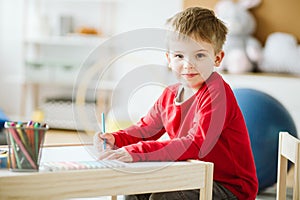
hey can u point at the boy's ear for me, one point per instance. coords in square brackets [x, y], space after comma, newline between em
[168, 59]
[218, 58]
[167, 56]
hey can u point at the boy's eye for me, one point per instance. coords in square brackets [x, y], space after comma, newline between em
[178, 55]
[200, 55]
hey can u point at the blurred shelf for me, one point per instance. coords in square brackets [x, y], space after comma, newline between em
[84, 1]
[263, 74]
[72, 40]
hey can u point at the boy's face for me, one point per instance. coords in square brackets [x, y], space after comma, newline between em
[192, 61]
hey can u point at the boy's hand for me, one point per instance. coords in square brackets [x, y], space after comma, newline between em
[119, 154]
[99, 141]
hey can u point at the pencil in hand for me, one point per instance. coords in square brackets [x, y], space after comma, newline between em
[103, 130]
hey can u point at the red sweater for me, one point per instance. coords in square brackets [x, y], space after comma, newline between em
[209, 126]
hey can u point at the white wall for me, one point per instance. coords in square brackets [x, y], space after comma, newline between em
[133, 14]
[10, 54]
[130, 14]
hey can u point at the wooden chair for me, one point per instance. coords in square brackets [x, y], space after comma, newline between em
[289, 150]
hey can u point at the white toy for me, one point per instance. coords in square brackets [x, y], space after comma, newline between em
[242, 50]
[281, 54]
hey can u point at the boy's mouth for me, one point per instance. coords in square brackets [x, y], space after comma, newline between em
[190, 75]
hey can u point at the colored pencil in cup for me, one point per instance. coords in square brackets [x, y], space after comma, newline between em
[22, 147]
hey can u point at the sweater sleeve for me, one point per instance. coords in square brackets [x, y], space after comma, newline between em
[208, 118]
[149, 127]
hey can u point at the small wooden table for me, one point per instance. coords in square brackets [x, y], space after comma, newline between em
[135, 178]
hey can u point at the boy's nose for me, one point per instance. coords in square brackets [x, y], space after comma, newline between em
[188, 64]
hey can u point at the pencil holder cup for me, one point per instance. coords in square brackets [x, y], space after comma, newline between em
[24, 145]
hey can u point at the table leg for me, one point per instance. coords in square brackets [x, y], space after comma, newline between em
[113, 197]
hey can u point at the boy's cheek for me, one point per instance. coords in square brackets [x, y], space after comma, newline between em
[176, 73]
[206, 65]
[174, 65]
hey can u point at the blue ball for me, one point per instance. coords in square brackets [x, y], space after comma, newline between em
[265, 117]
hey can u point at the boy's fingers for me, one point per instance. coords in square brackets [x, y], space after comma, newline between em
[105, 154]
[109, 155]
[104, 136]
[98, 142]
[103, 141]
[125, 159]
[120, 154]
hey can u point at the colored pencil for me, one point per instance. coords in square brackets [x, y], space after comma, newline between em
[103, 129]
[36, 137]
[14, 154]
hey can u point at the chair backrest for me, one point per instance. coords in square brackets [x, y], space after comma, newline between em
[289, 150]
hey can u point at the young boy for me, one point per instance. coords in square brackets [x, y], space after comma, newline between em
[200, 114]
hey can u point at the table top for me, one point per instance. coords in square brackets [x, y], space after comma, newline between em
[133, 178]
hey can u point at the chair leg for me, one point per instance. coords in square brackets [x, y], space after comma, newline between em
[296, 188]
[281, 179]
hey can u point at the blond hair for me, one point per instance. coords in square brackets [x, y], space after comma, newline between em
[200, 23]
